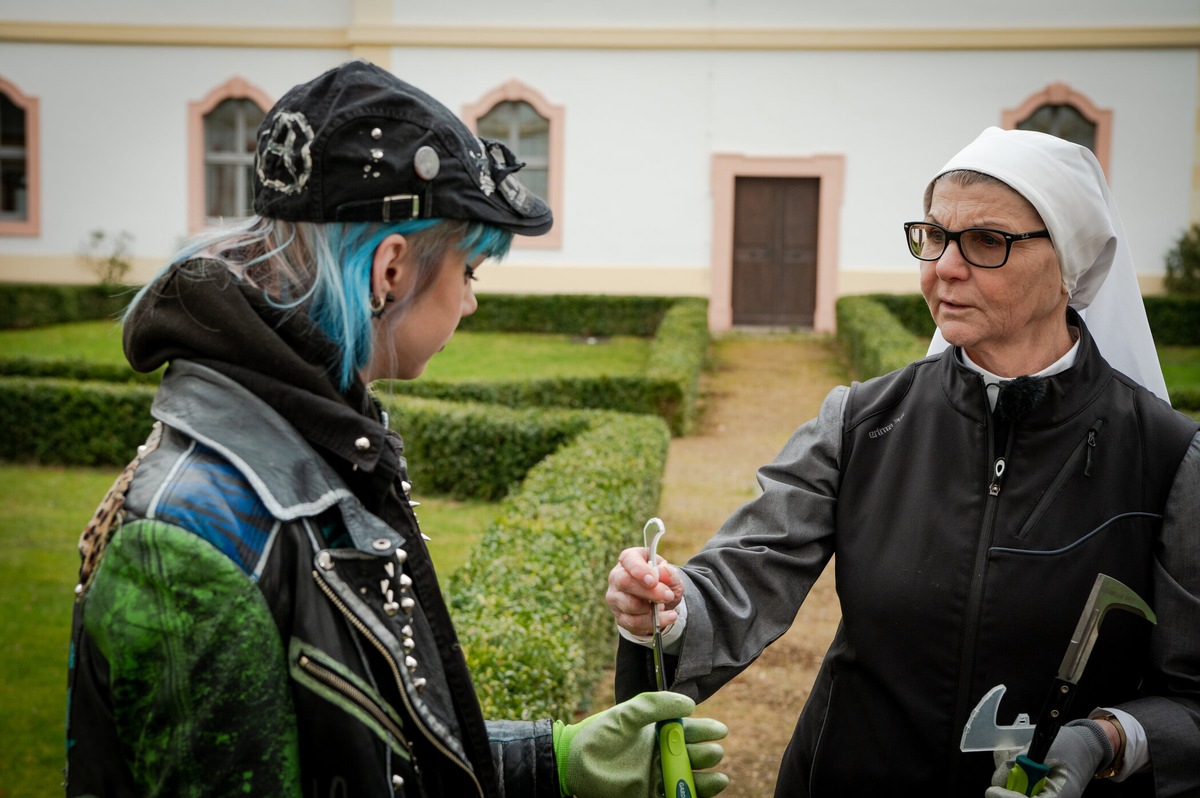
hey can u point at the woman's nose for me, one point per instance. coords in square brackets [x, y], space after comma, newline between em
[952, 264]
[470, 303]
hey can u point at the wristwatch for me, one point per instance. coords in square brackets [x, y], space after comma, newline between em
[1118, 760]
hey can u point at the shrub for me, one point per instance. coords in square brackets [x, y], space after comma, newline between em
[667, 389]
[872, 339]
[1183, 264]
[529, 602]
[72, 423]
[1174, 320]
[31, 305]
[572, 314]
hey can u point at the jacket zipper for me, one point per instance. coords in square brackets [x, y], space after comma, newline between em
[360, 699]
[982, 544]
[412, 712]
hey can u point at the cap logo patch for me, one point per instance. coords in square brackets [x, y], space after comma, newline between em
[284, 156]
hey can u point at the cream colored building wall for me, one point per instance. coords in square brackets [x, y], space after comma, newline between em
[652, 92]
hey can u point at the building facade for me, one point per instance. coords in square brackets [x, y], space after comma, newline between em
[760, 153]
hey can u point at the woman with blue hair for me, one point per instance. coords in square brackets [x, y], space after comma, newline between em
[257, 613]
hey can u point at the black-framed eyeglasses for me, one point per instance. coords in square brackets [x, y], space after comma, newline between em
[980, 246]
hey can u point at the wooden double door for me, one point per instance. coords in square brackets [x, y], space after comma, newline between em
[775, 251]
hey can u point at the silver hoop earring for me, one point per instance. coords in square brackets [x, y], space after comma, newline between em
[379, 303]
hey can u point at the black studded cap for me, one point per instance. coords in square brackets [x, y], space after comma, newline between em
[357, 144]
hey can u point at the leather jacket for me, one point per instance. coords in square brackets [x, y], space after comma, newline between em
[249, 626]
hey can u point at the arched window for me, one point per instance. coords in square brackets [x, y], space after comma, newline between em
[527, 133]
[1063, 121]
[19, 175]
[229, 144]
[221, 144]
[532, 127]
[1062, 112]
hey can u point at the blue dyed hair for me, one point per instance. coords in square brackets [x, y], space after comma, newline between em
[324, 270]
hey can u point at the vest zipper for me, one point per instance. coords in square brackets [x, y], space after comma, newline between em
[412, 712]
[997, 476]
[982, 546]
[360, 699]
[1091, 443]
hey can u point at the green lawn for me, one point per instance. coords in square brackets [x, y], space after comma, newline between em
[44, 510]
[469, 355]
[1181, 366]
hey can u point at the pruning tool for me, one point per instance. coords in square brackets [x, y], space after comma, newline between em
[1028, 774]
[676, 766]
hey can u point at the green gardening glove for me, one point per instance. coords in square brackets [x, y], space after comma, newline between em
[614, 753]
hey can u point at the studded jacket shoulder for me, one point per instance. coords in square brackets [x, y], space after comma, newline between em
[244, 624]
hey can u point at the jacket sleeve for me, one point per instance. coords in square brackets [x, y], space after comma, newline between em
[179, 671]
[524, 755]
[1171, 714]
[744, 587]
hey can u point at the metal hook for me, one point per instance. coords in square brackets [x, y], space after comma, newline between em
[652, 544]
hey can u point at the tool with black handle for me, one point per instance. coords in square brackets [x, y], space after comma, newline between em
[672, 748]
[1028, 774]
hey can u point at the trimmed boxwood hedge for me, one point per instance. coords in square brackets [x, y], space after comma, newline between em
[35, 305]
[667, 389]
[529, 602]
[873, 339]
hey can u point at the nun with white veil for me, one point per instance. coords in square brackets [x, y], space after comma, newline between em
[972, 499]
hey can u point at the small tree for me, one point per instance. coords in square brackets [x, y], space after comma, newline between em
[1183, 264]
[108, 256]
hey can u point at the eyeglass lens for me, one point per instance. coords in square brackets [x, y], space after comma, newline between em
[979, 246]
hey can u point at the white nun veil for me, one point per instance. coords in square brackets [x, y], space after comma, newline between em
[1065, 184]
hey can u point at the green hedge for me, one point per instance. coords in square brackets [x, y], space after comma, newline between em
[873, 340]
[667, 389]
[537, 647]
[74, 369]
[1175, 321]
[35, 305]
[476, 451]
[66, 422]
[570, 314]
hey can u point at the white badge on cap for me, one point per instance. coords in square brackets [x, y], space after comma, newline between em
[426, 162]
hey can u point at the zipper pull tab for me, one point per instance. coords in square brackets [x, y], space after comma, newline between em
[997, 475]
[1091, 444]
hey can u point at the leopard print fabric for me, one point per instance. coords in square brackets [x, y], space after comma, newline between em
[109, 515]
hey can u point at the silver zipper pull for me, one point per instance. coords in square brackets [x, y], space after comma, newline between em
[997, 475]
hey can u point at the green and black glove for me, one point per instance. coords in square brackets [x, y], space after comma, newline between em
[614, 753]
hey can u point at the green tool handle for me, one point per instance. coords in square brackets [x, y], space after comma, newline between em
[1027, 777]
[676, 766]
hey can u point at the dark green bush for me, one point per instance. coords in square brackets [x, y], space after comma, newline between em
[474, 450]
[667, 389]
[873, 340]
[34, 305]
[910, 310]
[1174, 320]
[569, 314]
[73, 369]
[1183, 264]
[529, 602]
[72, 423]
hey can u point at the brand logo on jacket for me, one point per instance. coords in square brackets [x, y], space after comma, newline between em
[879, 432]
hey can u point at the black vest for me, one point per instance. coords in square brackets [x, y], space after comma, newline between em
[954, 579]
